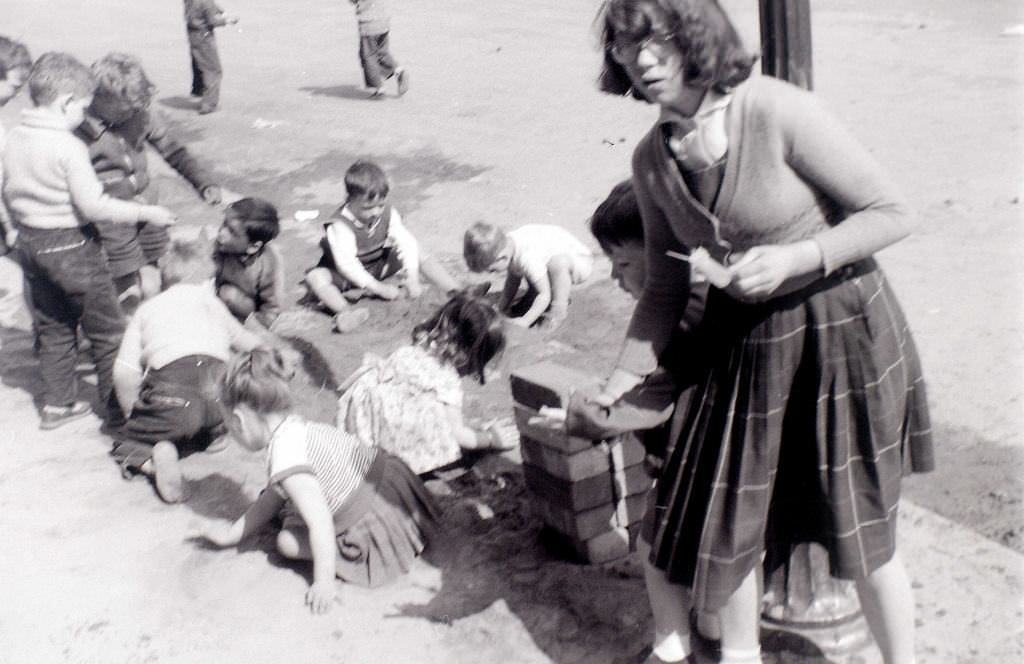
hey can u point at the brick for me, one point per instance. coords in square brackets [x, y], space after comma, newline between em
[594, 521]
[547, 384]
[609, 545]
[626, 451]
[585, 463]
[585, 493]
[553, 438]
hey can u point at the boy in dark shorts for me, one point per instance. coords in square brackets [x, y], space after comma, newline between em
[168, 367]
[364, 244]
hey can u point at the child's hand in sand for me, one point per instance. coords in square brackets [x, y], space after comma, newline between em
[386, 291]
[212, 195]
[414, 288]
[320, 596]
[220, 533]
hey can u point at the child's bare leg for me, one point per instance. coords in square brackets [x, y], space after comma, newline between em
[165, 470]
[434, 272]
[293, 543]
[560, 276]
[346, 318]
[149, 281]
[888, 604]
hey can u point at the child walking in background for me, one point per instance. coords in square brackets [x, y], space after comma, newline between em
[549, 257]
[167, 369]
[364, 244]
[410, 403]
[15, 63]
[356, 512]
[249, 271]
[202, 17]
[374, 51]
[52, 193]
[118, 127]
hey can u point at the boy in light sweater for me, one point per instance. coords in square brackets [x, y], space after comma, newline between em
[52, 193]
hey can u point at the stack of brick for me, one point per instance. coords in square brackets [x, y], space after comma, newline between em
[590, 494]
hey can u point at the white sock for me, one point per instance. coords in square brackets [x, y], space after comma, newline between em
[671, 647]
[736, 656]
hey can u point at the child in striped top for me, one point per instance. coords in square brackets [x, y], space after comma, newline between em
[356, 512]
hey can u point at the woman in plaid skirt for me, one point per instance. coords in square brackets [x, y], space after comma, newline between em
[810, 405]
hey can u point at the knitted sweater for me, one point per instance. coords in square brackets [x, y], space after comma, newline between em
[49, 181]
[793, 173]
[373, 17]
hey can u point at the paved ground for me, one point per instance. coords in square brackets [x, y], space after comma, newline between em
[503, 123]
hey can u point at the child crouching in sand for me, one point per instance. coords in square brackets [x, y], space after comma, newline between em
[357, 512]
[410, 402]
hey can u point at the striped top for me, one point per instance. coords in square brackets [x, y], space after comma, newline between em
[336, 459]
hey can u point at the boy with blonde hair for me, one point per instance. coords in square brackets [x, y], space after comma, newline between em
[549, 258]
[53, 193]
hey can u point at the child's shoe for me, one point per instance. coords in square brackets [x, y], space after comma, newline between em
[377, 93]
[403, 81]
[52, 417]
[166, 472]
[349, 320]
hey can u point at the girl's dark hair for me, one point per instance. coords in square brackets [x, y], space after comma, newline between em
[257, 379]
[466, 332]
[258, 217]
[715, 56]
[617, 219]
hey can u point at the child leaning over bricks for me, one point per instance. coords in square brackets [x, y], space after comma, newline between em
[52, 192]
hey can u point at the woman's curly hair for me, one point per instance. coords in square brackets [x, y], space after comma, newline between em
[466, 332]
[714, 54]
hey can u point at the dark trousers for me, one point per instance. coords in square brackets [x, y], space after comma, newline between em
[179, 403]
[206, 69]
[68, 285]
[378, 65]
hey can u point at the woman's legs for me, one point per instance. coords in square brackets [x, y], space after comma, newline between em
[888, 604]
[740, 621]
[670, 604]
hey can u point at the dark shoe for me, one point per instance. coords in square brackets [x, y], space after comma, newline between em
[167, 472]
[52, 417]
[403, 81]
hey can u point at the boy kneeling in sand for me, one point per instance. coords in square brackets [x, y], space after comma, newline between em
[167, 370]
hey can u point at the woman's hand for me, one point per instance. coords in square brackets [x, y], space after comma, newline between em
[760, 271]
[620, 382]
[320, 596]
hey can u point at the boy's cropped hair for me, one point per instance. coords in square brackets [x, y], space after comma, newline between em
[258, 217]
[617, 220]
[55, 74]
[186, 261]
[120, 75]
[365, 179]
[257, 379]
[13, 56]
[482, 244]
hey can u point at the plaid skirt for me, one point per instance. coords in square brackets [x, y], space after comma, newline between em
[385, 526]
[808, 410]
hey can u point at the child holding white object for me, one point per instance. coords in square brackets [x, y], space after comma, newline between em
[549, 257]
[356, 512]
[410, 403]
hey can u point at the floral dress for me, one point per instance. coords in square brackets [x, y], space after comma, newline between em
[402, 403]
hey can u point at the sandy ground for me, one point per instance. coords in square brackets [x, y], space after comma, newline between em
[503, 123]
